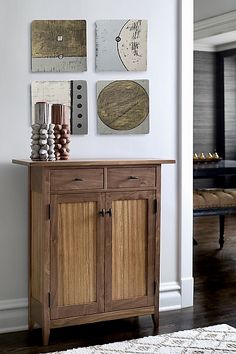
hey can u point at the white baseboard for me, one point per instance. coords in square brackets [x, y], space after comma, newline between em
[14, 313]
[187, 289]
[170, 296]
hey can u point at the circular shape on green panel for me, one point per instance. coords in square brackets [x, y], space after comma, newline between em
[123, 105]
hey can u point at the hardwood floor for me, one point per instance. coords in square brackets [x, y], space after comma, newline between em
[214, 301]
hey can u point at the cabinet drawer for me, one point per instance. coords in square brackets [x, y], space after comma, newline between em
[75, 179]
[131, 177]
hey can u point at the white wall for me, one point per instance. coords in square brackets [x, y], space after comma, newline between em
[209, 8]
[162, 142]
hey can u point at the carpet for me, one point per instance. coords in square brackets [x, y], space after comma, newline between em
[219, 339]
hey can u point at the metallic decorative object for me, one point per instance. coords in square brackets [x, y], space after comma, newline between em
[60, 118]
[51, 142]
[41, 112]
[72, 93]
[39, 144]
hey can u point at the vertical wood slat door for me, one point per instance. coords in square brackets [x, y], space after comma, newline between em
[130, 247]
[77, 255]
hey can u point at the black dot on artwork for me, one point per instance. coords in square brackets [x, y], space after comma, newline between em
[79, 125]
[80, 115]
[79, 105]
[79, 96]
[118, 39]
[79, 87]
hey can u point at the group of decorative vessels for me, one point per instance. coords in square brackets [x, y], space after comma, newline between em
[209, 157]
[50, 133]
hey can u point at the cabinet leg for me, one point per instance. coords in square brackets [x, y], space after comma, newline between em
[31, 325]
[155, 319]
[46, 334]
[222, 230]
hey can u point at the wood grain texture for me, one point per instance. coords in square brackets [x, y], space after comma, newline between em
[214, 274]
[204, 109]
[77, 253]
[93, 162]
[36, 245]
[129, 263]
[105, 316]
[129, 249]
[36, 311]
[130, 177]
[157, 233]
[76, 179]
[93, 265]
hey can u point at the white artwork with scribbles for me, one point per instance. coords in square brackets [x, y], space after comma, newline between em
[121, 45]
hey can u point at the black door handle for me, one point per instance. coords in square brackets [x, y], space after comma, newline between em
[109, 212]
[101, 213]
[133, 177]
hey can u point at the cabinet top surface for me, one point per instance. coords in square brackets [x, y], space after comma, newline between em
[92, 162]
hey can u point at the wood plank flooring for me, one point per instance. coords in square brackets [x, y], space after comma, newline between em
[214, 301]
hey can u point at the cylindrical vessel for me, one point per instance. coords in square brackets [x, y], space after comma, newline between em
[39, 146]
[60, 117]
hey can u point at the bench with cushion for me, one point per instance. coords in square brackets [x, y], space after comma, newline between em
[215, 201]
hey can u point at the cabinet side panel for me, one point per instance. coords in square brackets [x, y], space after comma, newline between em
[129, 249]
[77, 234]
[36, 245]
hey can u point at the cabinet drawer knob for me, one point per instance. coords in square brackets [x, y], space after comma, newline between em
[78, 179]
[133, 177]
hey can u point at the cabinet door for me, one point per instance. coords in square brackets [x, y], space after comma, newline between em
[77, 255]
[130, 247]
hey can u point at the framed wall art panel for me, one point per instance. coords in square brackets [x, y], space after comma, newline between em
[123, 107]
[59, 45]
[121, 45]
[72, 93]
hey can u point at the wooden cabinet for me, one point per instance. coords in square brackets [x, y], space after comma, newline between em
[77, 255]
[94, 229]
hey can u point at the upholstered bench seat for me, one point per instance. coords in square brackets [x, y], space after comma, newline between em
[214, 198]
[215, 201]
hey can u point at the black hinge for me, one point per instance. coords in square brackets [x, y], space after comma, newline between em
[49, 211]
[49, 300]
[155, 206]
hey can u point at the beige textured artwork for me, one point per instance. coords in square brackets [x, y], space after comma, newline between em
[71, 93]
[51, 92]
[132, 47]
[123, 107]
[59, 45]
[121, 45]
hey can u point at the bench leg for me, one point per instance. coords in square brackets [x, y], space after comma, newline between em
[222, 230]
